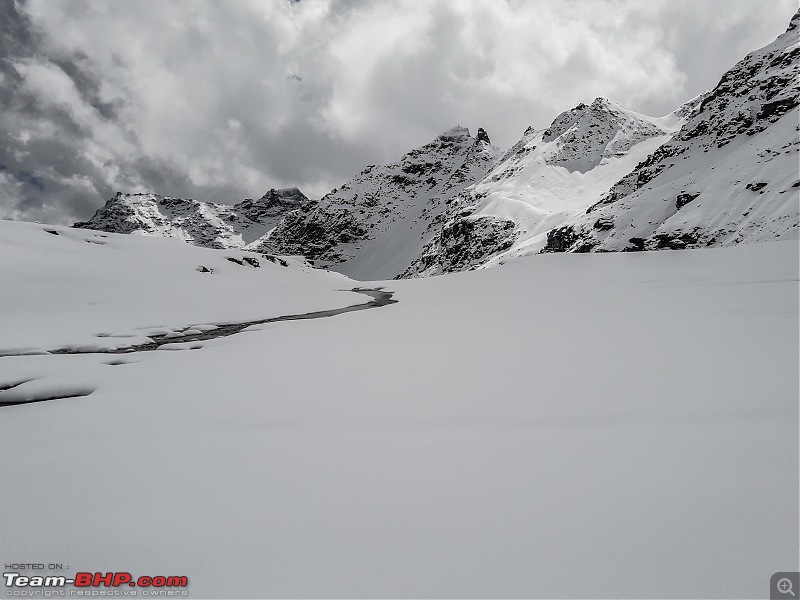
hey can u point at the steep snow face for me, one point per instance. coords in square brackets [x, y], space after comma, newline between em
[373, 226]
[543, 179]
[199, 223]
[729, 175]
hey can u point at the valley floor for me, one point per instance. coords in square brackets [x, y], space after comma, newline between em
[593, 425]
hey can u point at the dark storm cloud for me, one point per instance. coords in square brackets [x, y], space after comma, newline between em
[220, 101]
[17, 39]
[43, 175]
[86, 83]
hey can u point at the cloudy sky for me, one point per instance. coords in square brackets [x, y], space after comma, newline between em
[221, 100]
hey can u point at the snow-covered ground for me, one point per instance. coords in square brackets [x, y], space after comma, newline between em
[590, 425]
[80, 288]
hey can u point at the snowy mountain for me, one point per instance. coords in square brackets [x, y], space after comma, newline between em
[543, 179]
[200, 223]
[373, 226]
[719, 170]
[729, 175]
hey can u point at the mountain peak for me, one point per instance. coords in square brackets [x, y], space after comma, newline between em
[272, 204]
[373, 226]
[795, 22]
[282, 192]
[453, 134]
[290, 195]
[569, 118]
[585, 135]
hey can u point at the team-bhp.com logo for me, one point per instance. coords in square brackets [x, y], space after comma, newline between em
[91, 581]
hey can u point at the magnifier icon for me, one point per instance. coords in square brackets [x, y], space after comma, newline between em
[785, 586]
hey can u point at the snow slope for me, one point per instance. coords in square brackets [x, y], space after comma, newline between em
[84, 289]
[200, 223]
[546, 177]
[730, 175]
[612, 425]
[373, 226]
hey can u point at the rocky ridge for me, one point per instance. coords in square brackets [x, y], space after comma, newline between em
[729, 175]
[200, 223]
[376, 224]
[547, 176]
[720, 170]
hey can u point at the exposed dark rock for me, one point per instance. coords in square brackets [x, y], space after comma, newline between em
[567, 239]
[636, 244]
[663, 241]
[604, 223]
[275, 260]
[252, 261]
[314, 237]
[772, 111]
[464, 243]
[685, 198]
